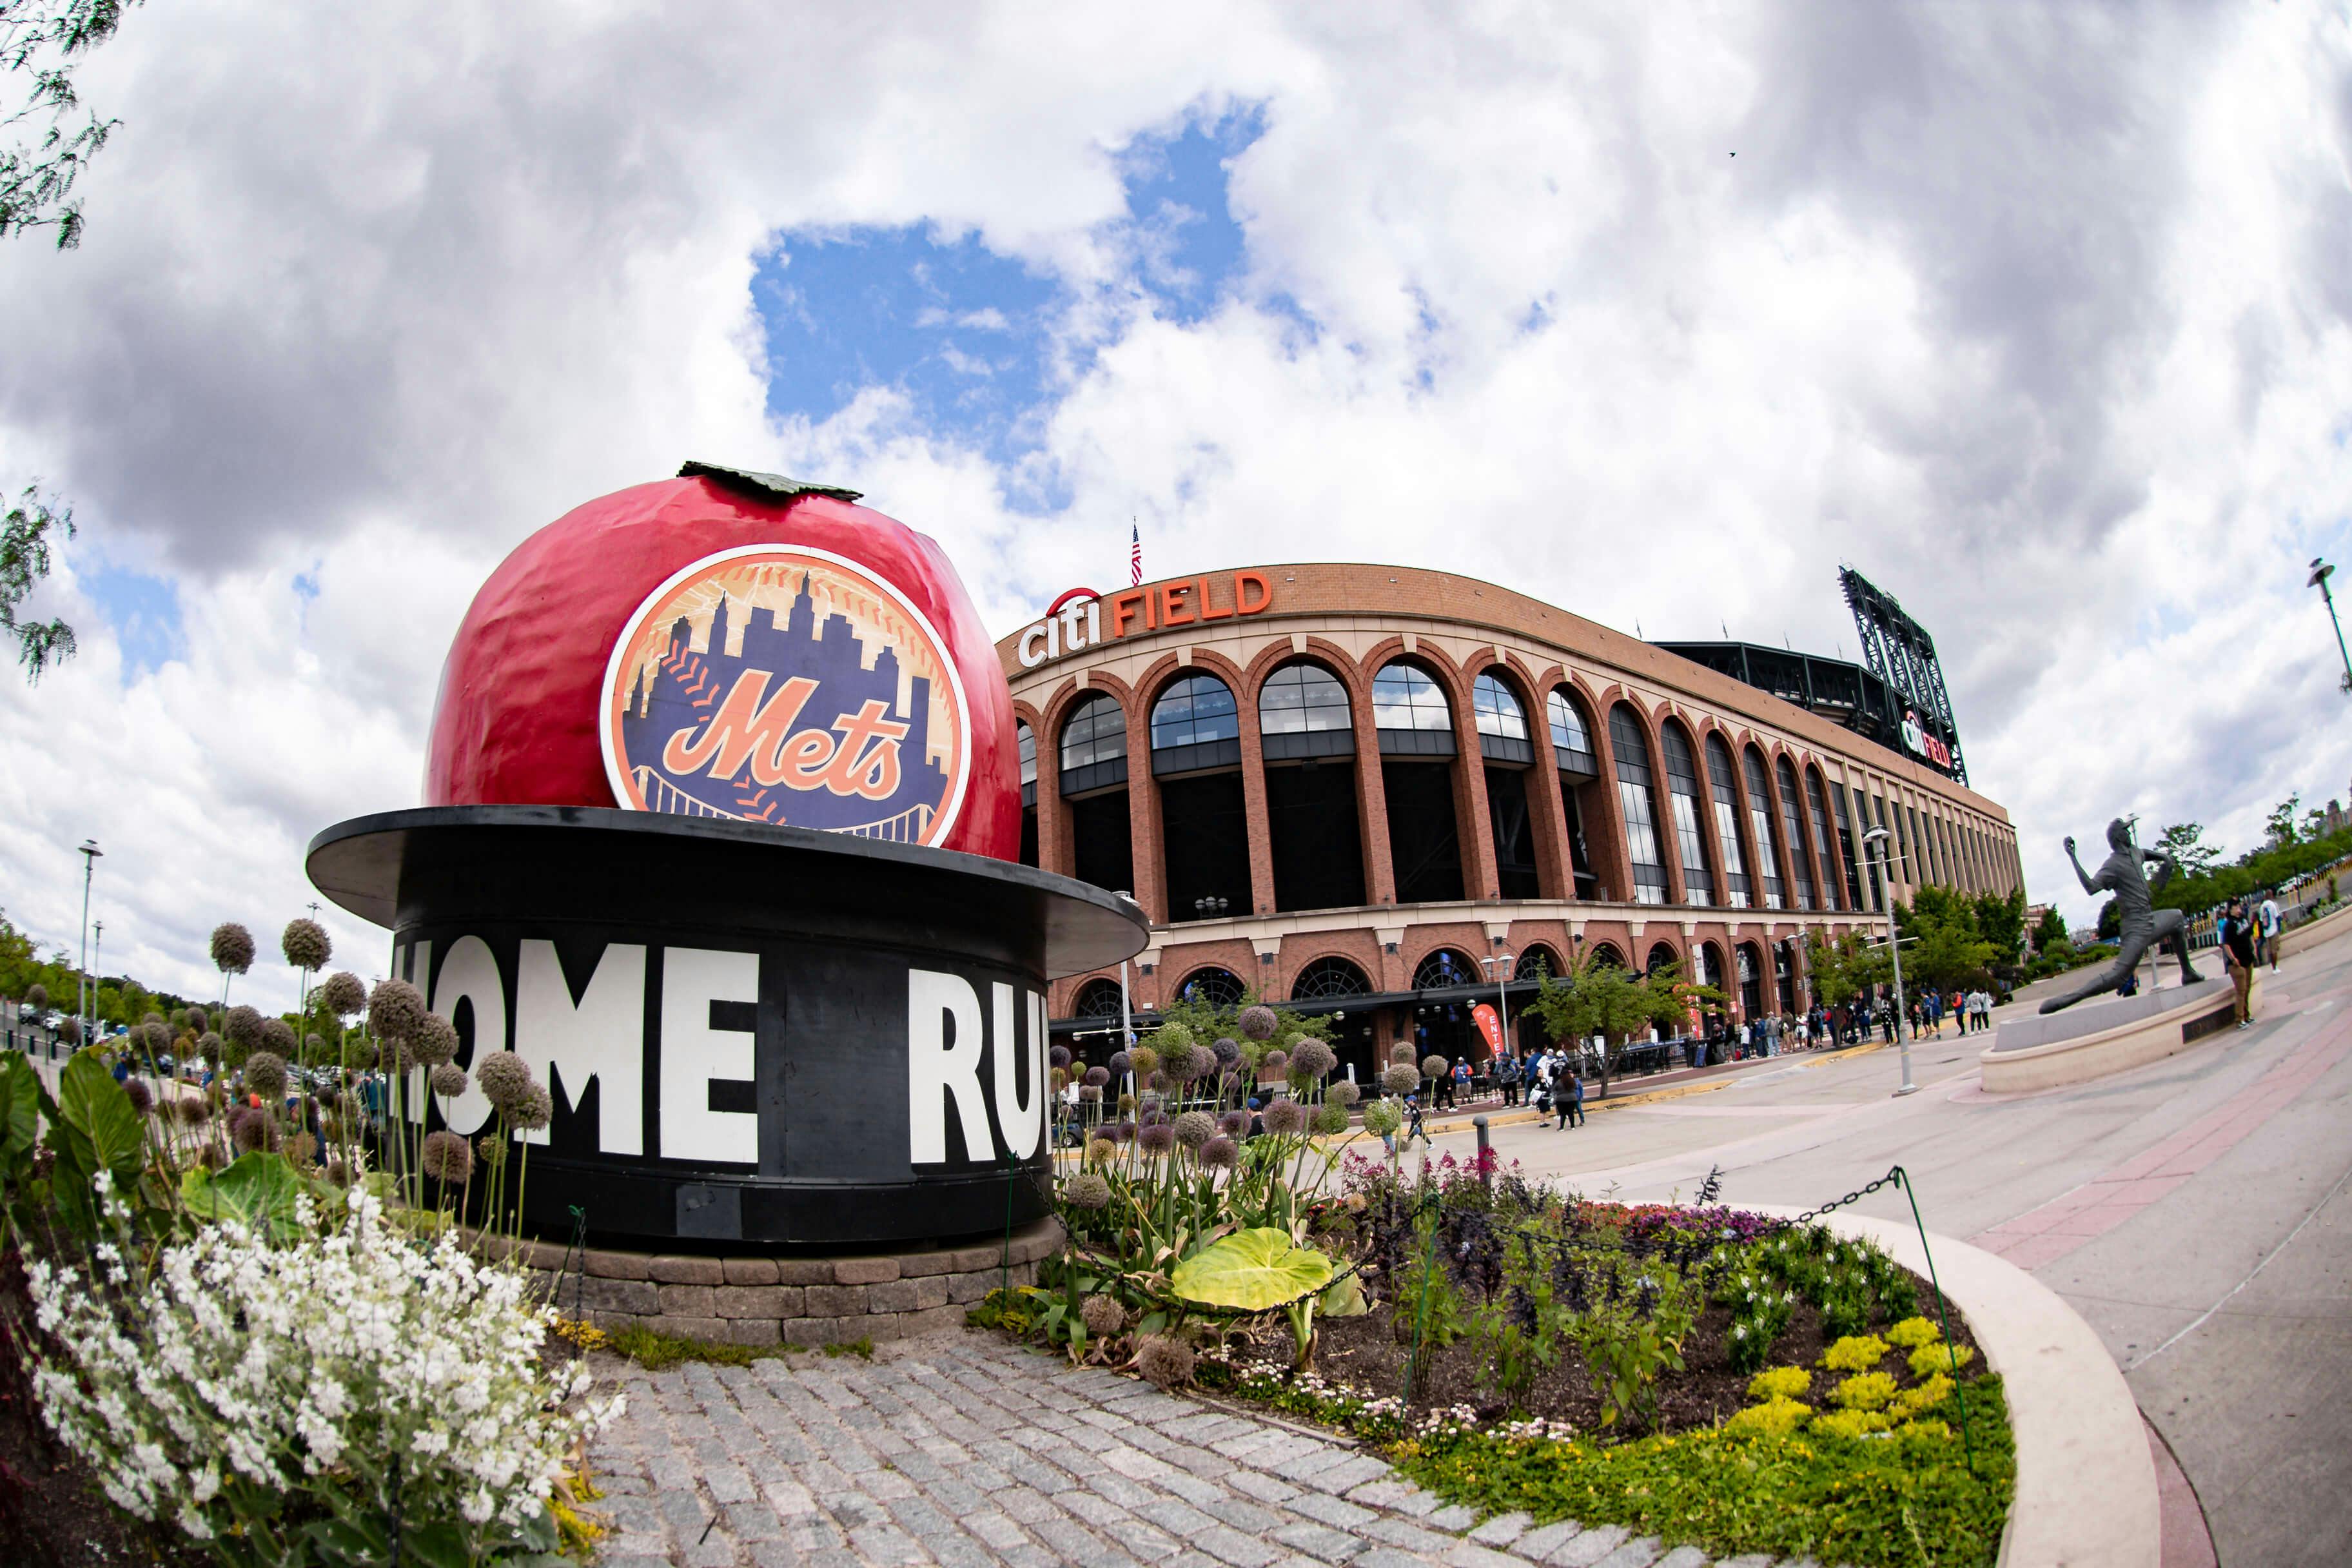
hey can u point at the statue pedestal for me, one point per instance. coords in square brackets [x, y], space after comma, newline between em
[2092, 1039]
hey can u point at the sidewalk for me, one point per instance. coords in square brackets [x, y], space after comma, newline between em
[1653, 1087]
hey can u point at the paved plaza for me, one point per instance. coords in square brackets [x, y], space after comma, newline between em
[965, 1450]
[2190, 1210]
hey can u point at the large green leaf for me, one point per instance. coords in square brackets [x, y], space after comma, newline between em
[98, 1112]
[1345, 1298]
[1252, 1271]
[257, 1189]
[20, 1107]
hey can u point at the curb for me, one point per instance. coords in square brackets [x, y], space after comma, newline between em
[2087, 1489]
[1517, 1117]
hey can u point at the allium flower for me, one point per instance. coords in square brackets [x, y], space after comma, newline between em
[1259, 1023]
[1432, 1066]
[265, 1075]
[192, 1109]
[1284, 1117]
[1220, 1153]
[305, 945]
[1143, 1061]
[1234, 1123]
[339, 1173]
[1058, 1057]
[142, 1099]
[448, 1158]
[1059, 1078]
[362, 1053]
[343, 994]
[1343, 1092]
[1102, 1315]
[1086, 1190]
[1121, 1064]
[1382, 1117]
[1165, 1363]
[448, 1081]
[492, 1151]
[278, 1035]
[1126, 1102]
[1171, 1040]
[1125, 1131]
[436, 1040]
[396, 1010]
[1195, 1128]
[1330, 1120]
[1090, 1093]
[331, 1097]
[1156, 1140]
[1200, 1062]
[1313, 1059]
[1097, 1077]
[157, 1035]
[253, 1129]
[1275, 1062]
[504, 1080]
[539, 1113]
[1227, 1051]
[1101, 1146]
[242, 1027]
[232, 948]
[1402, 1053]
[213, 1047]
[301, 1148]
[37, 995]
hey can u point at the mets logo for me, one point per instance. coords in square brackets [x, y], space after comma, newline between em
[780, 684]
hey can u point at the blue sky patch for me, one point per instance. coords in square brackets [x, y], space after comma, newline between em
[144, 613]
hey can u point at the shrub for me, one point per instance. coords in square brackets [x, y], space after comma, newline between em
[1780, 1382]
[1866, 1391]
[1927, 1396]
[374, 1386]
[1857, 1352]
[1851, 1423]
[1776, 1417]
[1930, 1359]
[1912, 1333]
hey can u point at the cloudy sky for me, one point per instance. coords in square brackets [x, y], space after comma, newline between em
[2041, 317]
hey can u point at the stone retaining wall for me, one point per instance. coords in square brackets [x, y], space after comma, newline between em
[754, 1300]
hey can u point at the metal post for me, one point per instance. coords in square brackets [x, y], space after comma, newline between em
[1485, 1165]
[86, 993]
[2320, 571]
[1895, 951]
[97, 957]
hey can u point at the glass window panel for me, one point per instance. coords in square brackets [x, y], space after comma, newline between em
[1028, 755]
[1726, 822]
[1682, 784]
[1302, 698]
[1498, 711]
[1637, 800]
[1760, 819]
[1792, 824]
[1195, 711]
[1097, 732]
[1405, 697]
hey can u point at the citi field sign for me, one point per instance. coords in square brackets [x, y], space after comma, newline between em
[1076, 621]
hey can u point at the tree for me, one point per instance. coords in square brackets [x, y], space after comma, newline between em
[2185, 842]
[2001, 920]
[1844, 969]
[45, 42]
[1599, 996]
[2050, 934]
[24, 534]
[2281, 823]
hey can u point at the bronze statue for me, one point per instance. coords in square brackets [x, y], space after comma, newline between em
[2143, 924]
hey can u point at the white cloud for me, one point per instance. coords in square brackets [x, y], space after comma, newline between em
[2039, 319]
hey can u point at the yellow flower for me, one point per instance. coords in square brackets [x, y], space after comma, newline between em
[1927, 1396]
[1912, 1333]
[1928, 1361]
[1866, 1391]
[1851, 1423]
[1856, 1353]
[1780, 1382]
[1776, 1417]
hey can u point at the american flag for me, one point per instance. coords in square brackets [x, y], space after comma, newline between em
[1135, 555]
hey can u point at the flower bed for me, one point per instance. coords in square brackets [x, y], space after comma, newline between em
[1701, 1374]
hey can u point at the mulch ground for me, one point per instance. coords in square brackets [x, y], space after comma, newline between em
[1364, 1353]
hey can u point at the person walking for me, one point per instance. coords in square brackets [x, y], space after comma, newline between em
[1461, 1081]
[2237, 933]
[1507, 1079]
[2266, 918]
[1571, 1102]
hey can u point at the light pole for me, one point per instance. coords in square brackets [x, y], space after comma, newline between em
[1895, 950]
[1499, 970]
[97, 962]
[86, 993]
[2320, 571]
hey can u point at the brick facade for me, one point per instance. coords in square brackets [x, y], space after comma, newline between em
[1353, 620]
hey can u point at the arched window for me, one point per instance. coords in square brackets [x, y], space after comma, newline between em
[1028, 740]
[1818, 813]
[1093, 739]
[1792, 823]
[1759, 816]
[1195, 725]
[1213, 988]
[1444, 967]
[1682, 787]
[1410, 711]
[1607, 954]
[1571, 739]
[1721, 784]
[1502, 723]
[1097, 999]
[1313, 830]
[1329, 977]
[1303, 711]
[1662, 954]
[1784, 974]
[1637, 801]
[1535, 964]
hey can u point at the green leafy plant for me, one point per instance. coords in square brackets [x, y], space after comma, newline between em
[1629, 1343]
[1257, 1271]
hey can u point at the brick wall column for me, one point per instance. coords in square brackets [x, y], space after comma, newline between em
[1147, 847]
[1661, 818]
[1054, 847]
[1371, 799]
[1604, 830]
[1254, 814]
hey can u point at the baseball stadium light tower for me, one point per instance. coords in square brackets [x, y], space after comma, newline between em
[1899, 651]
[2320, 573]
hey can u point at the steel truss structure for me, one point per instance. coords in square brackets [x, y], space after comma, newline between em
[1899, 651]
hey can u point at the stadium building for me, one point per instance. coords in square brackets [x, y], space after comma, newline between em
[1382, 794]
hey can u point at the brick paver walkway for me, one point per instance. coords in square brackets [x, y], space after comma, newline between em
[965, 1450]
